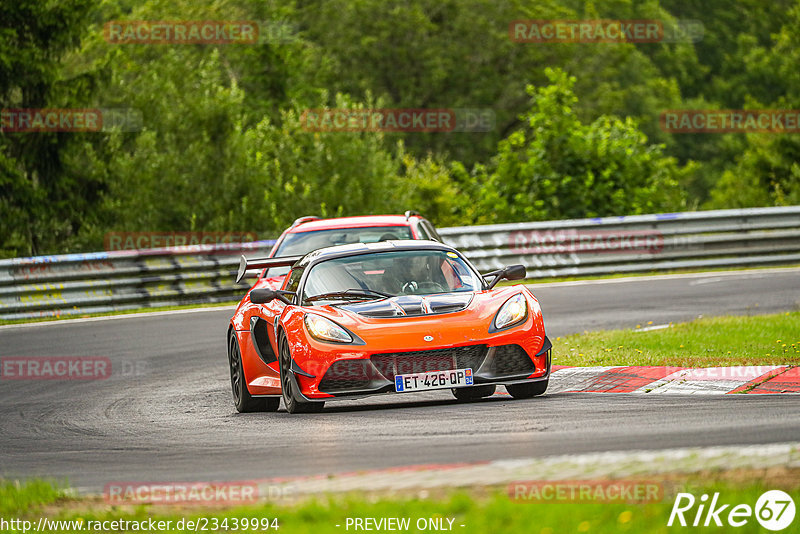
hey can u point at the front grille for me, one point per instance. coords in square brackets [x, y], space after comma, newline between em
[423, 361]
[346, 375]
[511, 360]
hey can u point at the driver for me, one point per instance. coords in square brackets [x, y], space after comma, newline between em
[420, 274]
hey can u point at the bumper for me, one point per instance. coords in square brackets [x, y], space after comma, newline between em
[351, 378]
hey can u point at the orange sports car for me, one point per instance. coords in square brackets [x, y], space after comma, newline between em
[389, 317]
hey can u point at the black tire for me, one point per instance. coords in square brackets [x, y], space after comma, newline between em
[527, 390]
[287, 385]
[242, 399]
[474, 392]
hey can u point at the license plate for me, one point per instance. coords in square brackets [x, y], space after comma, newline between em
[433, 380]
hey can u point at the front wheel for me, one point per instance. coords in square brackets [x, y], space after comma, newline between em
[474, 392]
[287, 384]
[242, 399]
[527, 390]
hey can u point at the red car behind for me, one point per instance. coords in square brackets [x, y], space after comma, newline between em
[312, 233]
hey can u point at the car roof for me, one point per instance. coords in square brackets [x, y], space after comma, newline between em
[361, 221]
[355, 249]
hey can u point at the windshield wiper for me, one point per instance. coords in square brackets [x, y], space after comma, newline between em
[356, 293]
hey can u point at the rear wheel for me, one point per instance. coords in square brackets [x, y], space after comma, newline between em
[242, 399]
[527, 390]
[287, 384]
[474, 392]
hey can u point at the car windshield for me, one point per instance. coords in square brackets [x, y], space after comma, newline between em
[301, 243]
[381, 274]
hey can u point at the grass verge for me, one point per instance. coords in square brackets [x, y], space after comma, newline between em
[707, 342]
[464, 511]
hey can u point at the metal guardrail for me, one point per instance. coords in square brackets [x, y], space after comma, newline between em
[638, 243]
[100, 282]
[77, 284]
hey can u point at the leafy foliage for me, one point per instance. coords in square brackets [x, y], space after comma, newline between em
[43, 200]
[559, 167]
[222, 148]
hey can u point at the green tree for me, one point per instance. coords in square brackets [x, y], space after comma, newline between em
[766, 172]
[287, 171]
[197, 103]
[43, 199]
[431, 54]
[733, 69]
[430, 187]
[558, 167]
[458, 54]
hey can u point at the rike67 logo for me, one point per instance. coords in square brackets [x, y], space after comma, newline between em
[774, 510]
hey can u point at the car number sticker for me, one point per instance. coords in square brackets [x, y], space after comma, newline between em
[433, 380]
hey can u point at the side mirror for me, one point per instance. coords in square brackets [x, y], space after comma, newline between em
[512, 272]
[266, 295]
[515, 272]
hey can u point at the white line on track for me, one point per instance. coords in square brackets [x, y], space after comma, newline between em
[649, 328]
[748, 273]
[67, 322]
[702, 281]
[717, 275]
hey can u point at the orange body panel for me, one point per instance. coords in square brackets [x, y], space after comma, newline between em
[381, 335]
[455, 332]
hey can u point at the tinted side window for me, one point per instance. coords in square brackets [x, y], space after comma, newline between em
[422, 231]
[294, 279]
[432, 231]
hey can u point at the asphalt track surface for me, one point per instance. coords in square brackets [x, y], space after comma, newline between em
[166, 414]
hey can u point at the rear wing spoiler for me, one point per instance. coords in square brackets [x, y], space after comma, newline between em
[251, 264]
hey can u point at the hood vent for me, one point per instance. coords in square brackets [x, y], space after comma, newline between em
[411, 305]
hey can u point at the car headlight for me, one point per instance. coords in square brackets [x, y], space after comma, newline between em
[326, 330]
[514, 311]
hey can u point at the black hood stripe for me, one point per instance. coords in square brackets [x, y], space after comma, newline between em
[411, 305]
